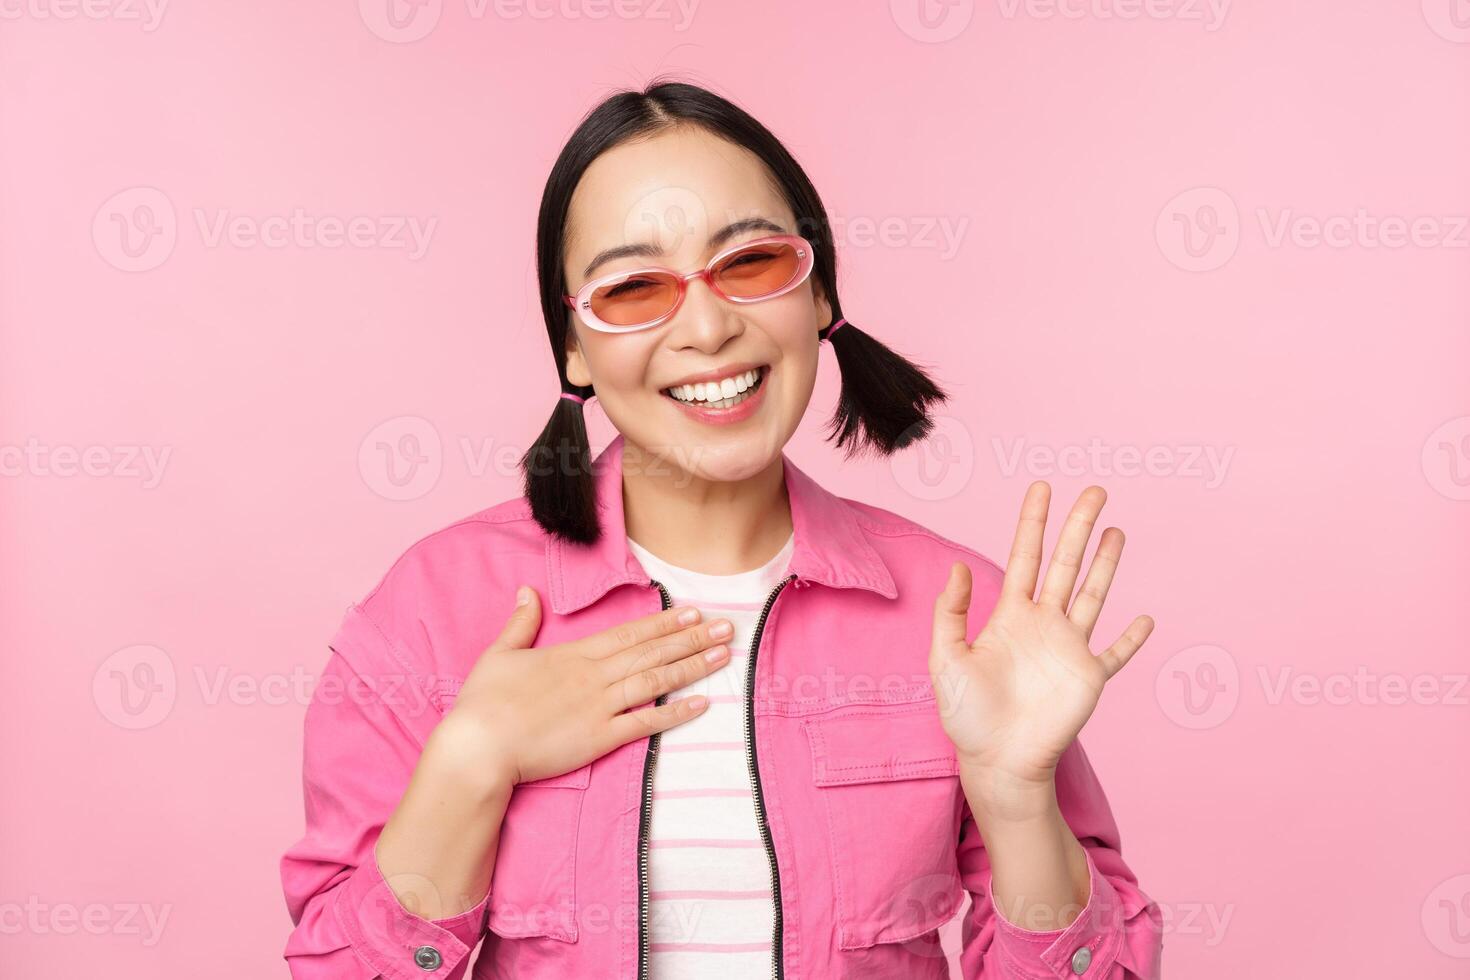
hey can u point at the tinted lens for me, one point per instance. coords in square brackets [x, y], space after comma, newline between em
[637, 299]
[758, 270]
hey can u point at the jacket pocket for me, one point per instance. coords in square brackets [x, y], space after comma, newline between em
[888, 780]
[533, 891]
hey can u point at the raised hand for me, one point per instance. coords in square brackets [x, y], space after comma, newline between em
[1014, 699]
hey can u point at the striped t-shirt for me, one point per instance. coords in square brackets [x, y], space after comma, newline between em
[710, 898]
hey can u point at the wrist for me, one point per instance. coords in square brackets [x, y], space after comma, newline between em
[1001, 797]
[460, 749]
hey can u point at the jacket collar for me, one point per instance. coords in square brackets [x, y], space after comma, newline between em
[829, 547]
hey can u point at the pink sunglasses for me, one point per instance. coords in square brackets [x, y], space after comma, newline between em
[752, 271]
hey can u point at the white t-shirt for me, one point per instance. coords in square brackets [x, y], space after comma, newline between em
[711, 912]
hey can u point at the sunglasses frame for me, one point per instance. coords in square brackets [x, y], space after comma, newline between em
[581, 303]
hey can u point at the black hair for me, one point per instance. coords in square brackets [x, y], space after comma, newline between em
[884, 400]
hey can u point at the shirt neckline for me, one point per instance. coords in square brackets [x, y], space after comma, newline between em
[755, 577]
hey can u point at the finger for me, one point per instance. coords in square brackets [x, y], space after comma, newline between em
[1123, 649]
[519, 632]
[1089, 600]
[665, 649]
[616, 639]
[952, 607]
[1025, 560]
[1066, 557]
[648, 684]
[657, 718]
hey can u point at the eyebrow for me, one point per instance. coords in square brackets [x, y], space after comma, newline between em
[649, 250]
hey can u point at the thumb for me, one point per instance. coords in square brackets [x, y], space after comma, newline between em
[524, 622]
[951, 608]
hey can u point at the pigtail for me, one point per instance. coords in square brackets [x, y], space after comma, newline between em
[558, 472]
[885, 398]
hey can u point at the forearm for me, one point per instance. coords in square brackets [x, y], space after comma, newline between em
[1039, 875]
[437, 850]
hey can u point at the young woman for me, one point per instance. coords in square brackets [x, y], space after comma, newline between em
[680, 711]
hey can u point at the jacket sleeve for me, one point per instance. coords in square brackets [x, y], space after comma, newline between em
[364, 730]
[1120, 928]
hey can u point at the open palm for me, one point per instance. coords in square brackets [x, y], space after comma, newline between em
[1014, 699]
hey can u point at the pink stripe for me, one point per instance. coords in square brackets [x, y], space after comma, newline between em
[711, 947]
[694, 794]
[703, 842]
[726, 893]
[702, 747]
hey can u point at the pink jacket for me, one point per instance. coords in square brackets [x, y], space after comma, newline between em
[869, 836]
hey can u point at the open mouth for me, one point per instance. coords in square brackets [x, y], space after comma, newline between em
[726, 393]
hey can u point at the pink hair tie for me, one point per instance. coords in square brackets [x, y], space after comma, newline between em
[576, 398]
[833, 329]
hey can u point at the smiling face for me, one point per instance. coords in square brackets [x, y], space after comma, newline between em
[684, 196]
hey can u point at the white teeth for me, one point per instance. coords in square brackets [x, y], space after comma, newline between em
[717, 394]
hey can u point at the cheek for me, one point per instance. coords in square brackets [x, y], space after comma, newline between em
[618, 363]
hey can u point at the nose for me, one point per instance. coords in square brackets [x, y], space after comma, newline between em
[704, 321]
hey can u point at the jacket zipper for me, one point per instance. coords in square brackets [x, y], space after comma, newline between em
[777, 969]
[651, 756]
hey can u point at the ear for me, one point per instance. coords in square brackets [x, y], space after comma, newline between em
[577, 372]
[824, 308]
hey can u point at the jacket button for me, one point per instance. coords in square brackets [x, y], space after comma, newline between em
[1081, 960]
[427, 958]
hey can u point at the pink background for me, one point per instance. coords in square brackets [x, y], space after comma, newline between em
[1117, 286]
